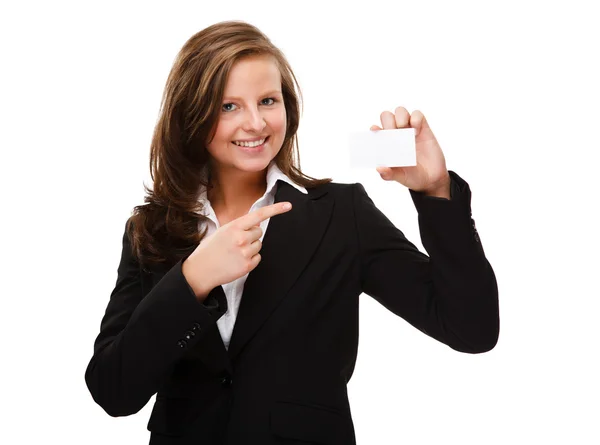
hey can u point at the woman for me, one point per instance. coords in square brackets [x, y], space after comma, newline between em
[270, 366]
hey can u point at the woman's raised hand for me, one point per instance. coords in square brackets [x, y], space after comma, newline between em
[430, 174]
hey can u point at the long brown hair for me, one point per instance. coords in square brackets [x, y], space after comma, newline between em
[166, 228]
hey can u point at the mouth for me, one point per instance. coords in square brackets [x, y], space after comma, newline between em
[251, 148]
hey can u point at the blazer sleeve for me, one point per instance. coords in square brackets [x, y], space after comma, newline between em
[143, 334]
[450, 295]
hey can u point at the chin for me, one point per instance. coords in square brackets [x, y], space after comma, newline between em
[253, 165]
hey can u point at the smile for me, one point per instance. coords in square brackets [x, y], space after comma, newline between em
[251, 147]
[251, 144]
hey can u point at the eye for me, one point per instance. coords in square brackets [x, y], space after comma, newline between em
[230, 110]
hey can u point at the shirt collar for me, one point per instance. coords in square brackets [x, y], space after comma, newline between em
[274, 174]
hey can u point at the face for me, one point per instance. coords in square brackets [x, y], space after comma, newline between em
[252, 109]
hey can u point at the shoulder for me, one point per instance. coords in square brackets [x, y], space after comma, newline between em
[332, 187]
[329, 190]
[343, 193]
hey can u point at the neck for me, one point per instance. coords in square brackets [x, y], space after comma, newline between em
[235, 191]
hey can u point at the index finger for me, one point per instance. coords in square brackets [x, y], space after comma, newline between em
[256, 217]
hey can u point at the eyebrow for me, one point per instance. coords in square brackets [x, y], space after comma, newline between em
[265, 94]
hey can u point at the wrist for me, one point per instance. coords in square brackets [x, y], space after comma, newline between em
[441, 190]
[199, 285]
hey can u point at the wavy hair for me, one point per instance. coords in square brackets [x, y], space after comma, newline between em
[166, 228]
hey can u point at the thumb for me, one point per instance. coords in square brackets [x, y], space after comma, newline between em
[386, 173]
[398, 174]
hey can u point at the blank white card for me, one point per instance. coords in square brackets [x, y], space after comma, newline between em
[382, 148]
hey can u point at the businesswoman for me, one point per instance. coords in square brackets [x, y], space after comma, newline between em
[241, 314]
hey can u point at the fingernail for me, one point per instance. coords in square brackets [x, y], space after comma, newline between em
[287, 206]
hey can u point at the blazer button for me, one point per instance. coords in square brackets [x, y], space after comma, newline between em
[189, 334]
[182, 343]
[196, 327]
[226, 381]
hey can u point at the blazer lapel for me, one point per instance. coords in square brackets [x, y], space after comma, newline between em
[289, 242]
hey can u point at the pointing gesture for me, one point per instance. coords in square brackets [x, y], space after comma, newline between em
[229, 253]
[252, 219]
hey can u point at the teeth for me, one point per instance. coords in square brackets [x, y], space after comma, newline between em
[250, 144]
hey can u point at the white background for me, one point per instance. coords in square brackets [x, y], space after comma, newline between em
[511, 91]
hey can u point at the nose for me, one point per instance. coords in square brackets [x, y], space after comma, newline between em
[254, 121]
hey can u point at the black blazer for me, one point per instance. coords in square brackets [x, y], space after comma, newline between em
[294, 345]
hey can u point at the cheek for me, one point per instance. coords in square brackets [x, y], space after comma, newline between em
[219, 143]
[224, 134]
[280, 122]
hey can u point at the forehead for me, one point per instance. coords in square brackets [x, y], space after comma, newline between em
[253, 75]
